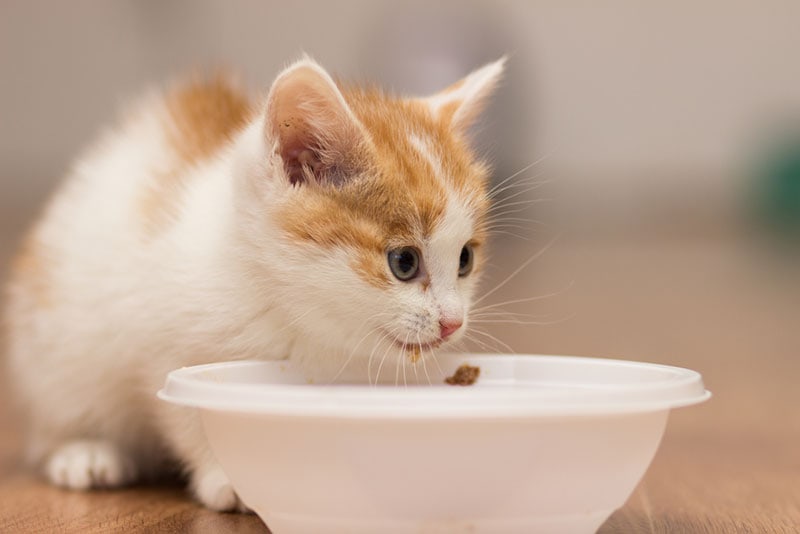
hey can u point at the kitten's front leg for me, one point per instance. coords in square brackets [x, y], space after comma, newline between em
[207, 481]
[210, 486]
[86, 464]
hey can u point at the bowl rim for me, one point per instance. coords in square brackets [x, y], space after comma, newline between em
[197, 386]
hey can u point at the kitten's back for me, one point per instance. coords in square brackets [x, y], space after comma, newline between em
[199, 118]
[103, 227]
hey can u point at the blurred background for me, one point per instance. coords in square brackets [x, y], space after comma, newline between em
[667, 134]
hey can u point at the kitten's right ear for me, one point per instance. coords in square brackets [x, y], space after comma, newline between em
[461, 103]
[311, 127]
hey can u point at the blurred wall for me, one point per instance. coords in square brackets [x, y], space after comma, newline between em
[647, 115]
[627, 98]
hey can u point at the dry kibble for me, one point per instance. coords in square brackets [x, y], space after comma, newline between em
[466, 375]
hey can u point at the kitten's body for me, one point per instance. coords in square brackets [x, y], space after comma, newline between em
[209, 228]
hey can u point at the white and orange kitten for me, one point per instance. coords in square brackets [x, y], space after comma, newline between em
[328, 224]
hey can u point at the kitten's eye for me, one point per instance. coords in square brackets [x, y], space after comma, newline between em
[465, 261]
[404, 263]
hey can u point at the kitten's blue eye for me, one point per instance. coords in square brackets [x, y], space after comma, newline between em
[465, 261]
[404, 263]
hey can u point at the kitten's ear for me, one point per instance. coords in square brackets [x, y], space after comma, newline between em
[461, 103]
[311, 127]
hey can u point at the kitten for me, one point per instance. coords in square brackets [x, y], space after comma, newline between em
[334, 225]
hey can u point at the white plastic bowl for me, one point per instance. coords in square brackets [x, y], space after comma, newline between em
[539, 444]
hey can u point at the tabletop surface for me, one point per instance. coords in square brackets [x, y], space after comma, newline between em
[731, 465]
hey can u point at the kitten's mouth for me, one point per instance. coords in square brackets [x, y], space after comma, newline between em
[414, 350]
[420, 346]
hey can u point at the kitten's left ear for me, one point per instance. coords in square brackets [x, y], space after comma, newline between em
[461, 103]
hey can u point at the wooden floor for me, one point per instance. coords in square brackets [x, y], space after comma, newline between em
[731, 465]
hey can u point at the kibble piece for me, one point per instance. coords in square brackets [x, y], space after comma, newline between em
[466, 375]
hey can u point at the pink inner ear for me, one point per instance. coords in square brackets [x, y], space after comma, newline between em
[294, 147]
[303, 155]
[315, 132]
[300, 161]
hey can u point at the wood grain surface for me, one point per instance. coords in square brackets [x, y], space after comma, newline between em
[731, 465]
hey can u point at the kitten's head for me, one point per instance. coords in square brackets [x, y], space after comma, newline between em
[373, 211]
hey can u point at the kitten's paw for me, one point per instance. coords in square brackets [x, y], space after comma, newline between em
[212, 488]
[89, 464]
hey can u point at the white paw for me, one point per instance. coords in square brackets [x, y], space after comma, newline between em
[214, 491]
[89, 464]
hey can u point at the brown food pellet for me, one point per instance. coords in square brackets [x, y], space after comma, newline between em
[466, 375]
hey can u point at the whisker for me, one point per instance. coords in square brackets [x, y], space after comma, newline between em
[385, 336]
[369, 360]
[493, 191]
[402, 359]
[414, 364]
[352, 353]
[383, 360]
[505, 219]
[520, 231]
[511, 222]
[496, 314]
[530, 184]
[483, 345]
[528, 299]
[515, 190]
[526, 203]
[459, 346]
[519, 269]
[529, 226]
[485, 311]
[436, 361]
[516, 223]
[512, 226]
[425, 367]
[295, 320]
[524, 169]
[507, 184]
[490, 336]
[507, 215]
[511, 234]
[462, 346]
[397, 372]
[524, 323]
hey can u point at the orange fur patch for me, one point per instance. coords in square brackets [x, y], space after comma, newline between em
[29, 270]
[201, 118]
[399, 200]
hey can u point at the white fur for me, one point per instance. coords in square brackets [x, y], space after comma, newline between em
[222, 282]
[86, 464]
[424, 146]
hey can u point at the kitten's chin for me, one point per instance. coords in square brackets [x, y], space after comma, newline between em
[418, 346]
[414, 352]
[405, 345]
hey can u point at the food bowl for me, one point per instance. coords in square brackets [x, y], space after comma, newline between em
[538, 444]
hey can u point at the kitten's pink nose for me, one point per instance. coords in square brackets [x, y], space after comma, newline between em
[449, 326]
